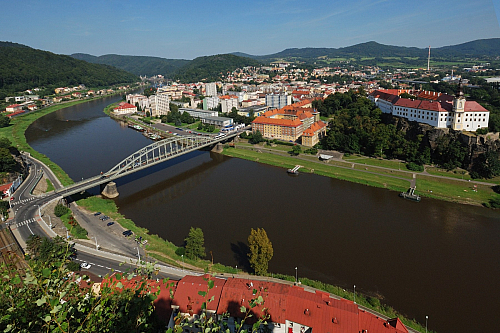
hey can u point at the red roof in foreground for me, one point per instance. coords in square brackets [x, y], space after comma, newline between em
[187, 298]
[277, 122]
[472, 106]
[5, 187]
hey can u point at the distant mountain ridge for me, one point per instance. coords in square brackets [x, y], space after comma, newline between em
[481, 47]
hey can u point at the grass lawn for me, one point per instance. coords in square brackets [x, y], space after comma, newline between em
[320, 168]
[50, 187]
[451, 190]
[458, 174]
[75, 230]
[376, 162]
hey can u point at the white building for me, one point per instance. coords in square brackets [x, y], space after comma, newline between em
[159, 104]
[228, 102]
[210, 103]
[458, 114]
[197, 113]
[211, 89]
[138, 100]
[278, 101]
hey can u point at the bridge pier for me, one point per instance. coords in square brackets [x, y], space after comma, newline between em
[109, 190]
[218, 148]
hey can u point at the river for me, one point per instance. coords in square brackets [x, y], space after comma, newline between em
[430, 258]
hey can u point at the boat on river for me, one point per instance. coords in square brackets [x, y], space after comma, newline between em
[410, 195]
[295, 170]
[136, 127]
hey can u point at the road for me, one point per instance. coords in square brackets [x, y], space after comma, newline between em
[27, 221]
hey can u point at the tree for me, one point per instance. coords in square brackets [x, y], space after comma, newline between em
[47, 297]
[60, 210]
[4, 121]
[296, 150]
[261, 251]
[194, 244]
[7, 162]
[256, 137]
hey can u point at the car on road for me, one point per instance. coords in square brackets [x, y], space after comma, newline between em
[110, 223]
[11, 198]
[97, 213]
[85, 265]
[127, 233]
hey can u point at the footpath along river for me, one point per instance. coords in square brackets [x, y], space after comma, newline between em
[430, 258]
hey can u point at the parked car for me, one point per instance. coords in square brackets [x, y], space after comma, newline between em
[105, 218]
[127, 233]
[97, 213]
[110, 223]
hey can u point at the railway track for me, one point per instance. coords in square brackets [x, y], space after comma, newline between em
[10, 253]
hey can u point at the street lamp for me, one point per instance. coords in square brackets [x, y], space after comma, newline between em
[426, 318]
[39, 212]
[182, 256]
[296, 276]
[50, 222]
[96, 246]
[354, 294]
[138, 254]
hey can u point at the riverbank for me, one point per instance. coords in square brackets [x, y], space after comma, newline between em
[388, 176]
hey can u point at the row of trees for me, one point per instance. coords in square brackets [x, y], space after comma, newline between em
[260, 248]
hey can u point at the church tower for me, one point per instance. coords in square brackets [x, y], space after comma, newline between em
[459, 108]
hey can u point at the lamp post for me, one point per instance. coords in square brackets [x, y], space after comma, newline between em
[296, 276]
[96, 246]
[426, 318]
[138, 254]
[182, 256]
[50, 222]
[39, 212]
[354, 294]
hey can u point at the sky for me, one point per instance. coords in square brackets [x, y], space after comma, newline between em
[186, 29]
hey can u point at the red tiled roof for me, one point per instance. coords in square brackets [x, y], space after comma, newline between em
[314, 128]
[187, 297]
[474, 107]
[5, 187]
[275, 121]
[125, 106]
[13, 106]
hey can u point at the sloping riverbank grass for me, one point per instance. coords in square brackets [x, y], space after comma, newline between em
[363, 300]
[427, 186]
[322, 169]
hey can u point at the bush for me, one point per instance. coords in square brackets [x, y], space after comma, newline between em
[73, 266]
[312, 151]
[414, 166]
[180, 251]
[482, 130]
[60, 210]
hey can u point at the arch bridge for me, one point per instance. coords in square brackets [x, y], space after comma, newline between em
[155, 153]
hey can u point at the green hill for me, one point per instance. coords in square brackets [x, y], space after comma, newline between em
[22, 68]
[212, 68]
[138, 65]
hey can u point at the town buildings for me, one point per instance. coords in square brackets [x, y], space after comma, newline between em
[211, 89]
[159, 104]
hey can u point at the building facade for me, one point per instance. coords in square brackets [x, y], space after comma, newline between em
[278, 101]
[228, 102]
[159, 104]
[211, 89]
[443, 111]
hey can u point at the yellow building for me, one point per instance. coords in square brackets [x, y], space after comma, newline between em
[281, 129]
[314, 134]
